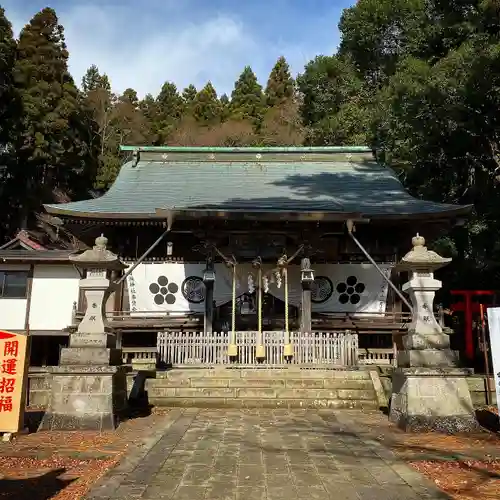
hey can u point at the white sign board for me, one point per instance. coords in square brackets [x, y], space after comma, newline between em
[494, 327]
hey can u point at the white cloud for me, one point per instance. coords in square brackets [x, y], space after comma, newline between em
[138, 51]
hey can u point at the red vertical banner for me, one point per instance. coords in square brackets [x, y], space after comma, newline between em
[14, 360]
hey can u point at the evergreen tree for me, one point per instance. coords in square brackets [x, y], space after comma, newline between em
[54, 145]
[225, 107]
[93, 80]
[8, 97]
[280, 86]
[169, 103]
[129, 96]
[188, 95]
[10, 114]
[165, 112]
[206, 106]
[247, 99]
[149, 108]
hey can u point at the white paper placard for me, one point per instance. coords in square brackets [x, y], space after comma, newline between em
[494, 328]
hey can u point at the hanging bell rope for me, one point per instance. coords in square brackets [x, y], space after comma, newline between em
[232, 350]
[288, 349]
[260, 349]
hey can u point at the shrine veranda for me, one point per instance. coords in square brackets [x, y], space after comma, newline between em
[235, 255]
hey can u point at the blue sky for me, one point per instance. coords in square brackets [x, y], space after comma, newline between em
[143, 44]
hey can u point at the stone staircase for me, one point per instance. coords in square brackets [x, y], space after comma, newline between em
[265, 388]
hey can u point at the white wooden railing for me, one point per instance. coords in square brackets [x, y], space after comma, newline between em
[201, 349]
[377, 356]
[139, 354]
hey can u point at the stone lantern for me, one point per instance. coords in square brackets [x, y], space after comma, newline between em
[429, 391]
[425, 344]
[89, 386]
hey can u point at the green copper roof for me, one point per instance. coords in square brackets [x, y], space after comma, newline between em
[333, 181]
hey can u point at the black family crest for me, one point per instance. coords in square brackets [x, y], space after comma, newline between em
[350, 290]
[321, 290]
[193, 289]
[164, 291]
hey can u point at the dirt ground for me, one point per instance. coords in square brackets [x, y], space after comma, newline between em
[64, 465]
[466, 467]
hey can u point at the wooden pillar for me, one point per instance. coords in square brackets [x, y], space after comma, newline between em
[209, 307]
[305, 313]
[209, 299]
[29, 290]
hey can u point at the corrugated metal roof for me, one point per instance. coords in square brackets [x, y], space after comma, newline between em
[332, 180]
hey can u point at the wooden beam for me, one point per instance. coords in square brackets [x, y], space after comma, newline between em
[29, 289]
[208, 316]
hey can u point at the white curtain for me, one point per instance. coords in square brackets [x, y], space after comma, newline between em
[340, 288]
[177, 288]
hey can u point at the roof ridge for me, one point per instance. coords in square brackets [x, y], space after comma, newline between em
[249, 149]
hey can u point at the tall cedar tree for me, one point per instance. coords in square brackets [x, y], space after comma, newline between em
[129, 96]
[247, 99]
[280, 86]
[54, 145]
[207, 108]
[225, 107]
[188, 95]
[169, 102]
[149, 109]
[169, 110]
[93, 80]
[8, 101]
[10, 113]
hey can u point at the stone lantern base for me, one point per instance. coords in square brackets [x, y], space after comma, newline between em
[89, 388]
[86, 398]
[432, 399]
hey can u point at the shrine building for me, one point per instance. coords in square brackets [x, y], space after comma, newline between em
[235, 255]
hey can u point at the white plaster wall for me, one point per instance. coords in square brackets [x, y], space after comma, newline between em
[55, 289]
[13, 311]
[12, 314]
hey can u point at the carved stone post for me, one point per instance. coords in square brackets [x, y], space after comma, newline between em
[89, 387]
[429, 391]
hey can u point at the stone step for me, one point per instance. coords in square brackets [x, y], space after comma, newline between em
[216, 402]
[260, 392]
[263, 388]
[293, 383]
[279, 373]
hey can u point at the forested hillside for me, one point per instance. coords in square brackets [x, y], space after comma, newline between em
[419, 80]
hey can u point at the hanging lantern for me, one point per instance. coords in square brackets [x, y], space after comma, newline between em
[306, 273]
[208, 275]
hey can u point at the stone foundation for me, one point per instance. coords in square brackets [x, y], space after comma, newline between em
[39, 384]
[86, 398]
[432, 399]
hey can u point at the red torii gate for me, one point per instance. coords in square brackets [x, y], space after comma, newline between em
[468, 307]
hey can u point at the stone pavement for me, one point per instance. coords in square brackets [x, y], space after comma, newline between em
[261, 454]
